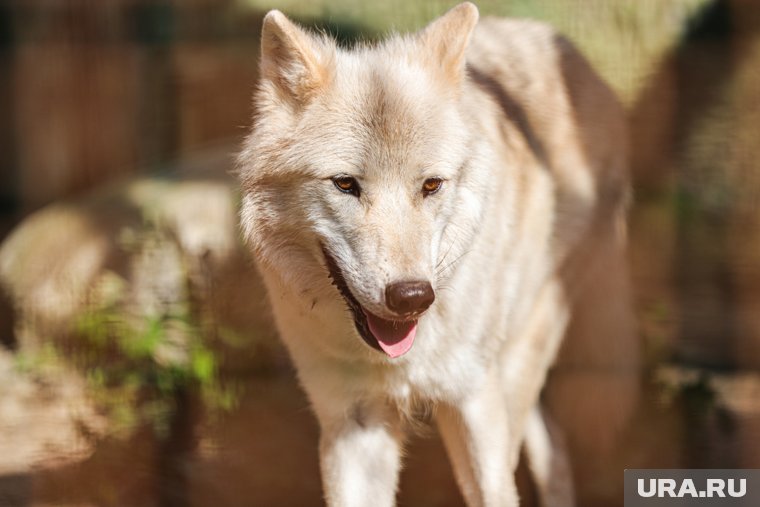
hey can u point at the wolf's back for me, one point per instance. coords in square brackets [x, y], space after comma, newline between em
[576, 128]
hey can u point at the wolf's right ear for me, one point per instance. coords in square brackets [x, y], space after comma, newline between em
[291, 59]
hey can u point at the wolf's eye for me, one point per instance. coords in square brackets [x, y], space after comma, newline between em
[431, 186]
[347, 185]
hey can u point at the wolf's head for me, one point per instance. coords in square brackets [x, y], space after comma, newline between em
[358, 167]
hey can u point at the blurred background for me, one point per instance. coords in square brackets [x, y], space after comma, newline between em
[138, 363]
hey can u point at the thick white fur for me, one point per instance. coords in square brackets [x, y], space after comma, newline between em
[531, 148]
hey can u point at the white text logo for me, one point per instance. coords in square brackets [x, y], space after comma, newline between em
[663, 488]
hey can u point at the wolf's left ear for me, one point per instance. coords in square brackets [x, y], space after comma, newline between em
[446, 39]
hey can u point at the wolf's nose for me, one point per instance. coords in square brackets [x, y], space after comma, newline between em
[409, 297]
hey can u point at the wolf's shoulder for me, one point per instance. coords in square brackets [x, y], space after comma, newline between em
[516, 33]
[570, 118]
[528, 48]
[515, 39]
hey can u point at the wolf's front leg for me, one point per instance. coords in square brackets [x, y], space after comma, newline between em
[360, 455]
[478, 441]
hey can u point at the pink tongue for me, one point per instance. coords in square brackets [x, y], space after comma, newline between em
[395, 338]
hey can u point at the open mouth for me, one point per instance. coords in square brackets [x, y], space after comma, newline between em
[394, 338]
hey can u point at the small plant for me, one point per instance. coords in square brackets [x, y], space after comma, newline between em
[140, 348]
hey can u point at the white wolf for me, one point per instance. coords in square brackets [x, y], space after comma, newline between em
[432, 215]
